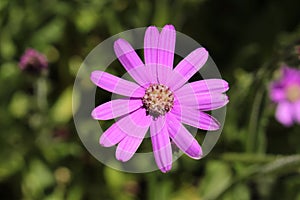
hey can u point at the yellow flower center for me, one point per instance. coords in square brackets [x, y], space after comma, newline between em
[158, 100]
[293, 93]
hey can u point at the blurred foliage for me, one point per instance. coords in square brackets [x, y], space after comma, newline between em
[41, 154]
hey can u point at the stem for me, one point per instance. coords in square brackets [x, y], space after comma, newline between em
[248, 157]
[278, 166]
[253, 122]
[41, 91]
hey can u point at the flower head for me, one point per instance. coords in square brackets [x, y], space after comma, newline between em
[161, 100]
[33, 61]
[286, 93]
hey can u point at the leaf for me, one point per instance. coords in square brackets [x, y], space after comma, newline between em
[86, 19]
[37, 179]
[51, 32]
[13, 163]
[19, 105]
[217, 177]
[241, 191]
[61, 112]
[75, 193]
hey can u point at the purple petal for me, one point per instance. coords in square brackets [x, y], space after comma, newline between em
[166, 46]
[151, 70]
[131, 61]
[204, 86]
[116, 85]
[182, 138]
[161, 144]
[150, 45]
[284, 113]
[188, 67]
[277, 94]
[135, 124]
[289, 75]
[112, 136]
[159, 74]
[195, 118]
[164, 74]
[127, 147]
[116, 108]
[203, 102]
[159, 53]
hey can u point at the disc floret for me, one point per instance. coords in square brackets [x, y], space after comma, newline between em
[158, 100]
[293, 93]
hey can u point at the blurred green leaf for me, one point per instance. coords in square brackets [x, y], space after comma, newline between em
[3, 4]
[74, 64]
[86, 19]
[7, 46]
[75, 193]
[240, 191]
[117, 182]
[20, 104]
[159, 189]
[36, 179]
[217, 176]
[186, 192]
[9, 71]
[61, 112]
[114, 178]
[13, 162]
[51, 32]
[162, 11]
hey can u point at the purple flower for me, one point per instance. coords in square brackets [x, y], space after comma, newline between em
[33, 61]
[161, 99]
[286, 93]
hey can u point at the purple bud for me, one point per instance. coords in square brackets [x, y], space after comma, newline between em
[33, 61]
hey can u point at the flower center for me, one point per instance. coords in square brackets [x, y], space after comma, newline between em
[293, 93]
[158, 100]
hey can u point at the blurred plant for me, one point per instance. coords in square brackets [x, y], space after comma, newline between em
[285, 92]
[33, 61]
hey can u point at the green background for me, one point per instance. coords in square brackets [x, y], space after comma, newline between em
[41, 155]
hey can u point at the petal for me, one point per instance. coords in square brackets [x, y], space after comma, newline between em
[135, 124]
[203, 102]
[159, 53]
[116, 85]
[150, 45]
[182, 138]
[131, 61]
[204, 86]
[277, 94]
[195, 118]
[284, 113]
[159, 74]
[127, 147]
[162, 149]
[289, 75]
[166, 46]
[116, 108]
[112, 136]
[164, 74]
[188, 67]
[151, 69]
